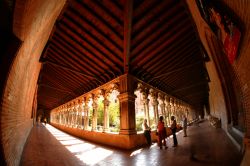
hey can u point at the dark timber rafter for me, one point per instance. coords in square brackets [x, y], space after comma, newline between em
[191, 86]
[68, 69]
[127, 33]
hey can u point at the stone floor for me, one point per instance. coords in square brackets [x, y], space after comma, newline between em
[205, 145]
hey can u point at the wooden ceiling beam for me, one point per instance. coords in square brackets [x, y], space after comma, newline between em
[106, 17]
[71, 70]
[72, 16]
[62, 50]
[176, 70]
[155, 29]
[84, 36]
[167, 54]
[67, 79]
[85, 46]
[128, 8]
[57, 89]
[151, 14]
[88, 14]
[190, 86]
[160, 44]
[170, 63]
[80, 51]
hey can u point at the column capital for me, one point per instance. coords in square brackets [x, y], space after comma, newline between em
[94, 105]
[106, 102]
[126, 96]
[145, 101]
[154, 102]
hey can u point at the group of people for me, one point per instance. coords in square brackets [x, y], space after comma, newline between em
[161, 131]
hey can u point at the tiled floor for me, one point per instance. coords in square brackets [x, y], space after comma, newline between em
[48, 146]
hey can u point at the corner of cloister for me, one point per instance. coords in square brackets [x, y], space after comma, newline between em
[131, 100]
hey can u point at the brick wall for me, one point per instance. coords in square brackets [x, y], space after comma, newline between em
[242, 64]
[33, 21]
[240, 69]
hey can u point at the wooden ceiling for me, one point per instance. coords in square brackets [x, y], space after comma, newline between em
[95, 41]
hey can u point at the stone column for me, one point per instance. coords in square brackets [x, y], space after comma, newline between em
[69, 115]
[75, 110]
[86, 115]
[146, 106]
[162, 106]
[64, 115]
[94, 116]
[106, 115]
[171, 107]
[127, 104]
[79, 117]
[167, 109]
[155, 107]
[72, 114]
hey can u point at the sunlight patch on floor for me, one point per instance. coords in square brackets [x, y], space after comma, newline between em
[84, 151]
[138, 151]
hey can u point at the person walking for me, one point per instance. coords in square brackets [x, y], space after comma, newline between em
[161, 133]
[184, 125]
[173, 129]
[147, 131]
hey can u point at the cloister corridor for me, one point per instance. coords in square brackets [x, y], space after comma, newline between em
[208, 146]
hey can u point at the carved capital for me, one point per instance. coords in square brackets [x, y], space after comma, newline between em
[106, 102]
[126, 96]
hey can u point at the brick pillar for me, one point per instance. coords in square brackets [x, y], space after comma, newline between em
[127, 105]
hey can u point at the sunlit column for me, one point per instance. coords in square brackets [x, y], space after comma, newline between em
[86, 115]
[171, 107]
[71, 114]
[106, 114]
[162, 106]
[60, 116]
[163, 111]
[68, 114]
[155, 107]
[64, 115]
[74, 108]
[146, 106]
[176, 110]
[167, 108]
[94, 117]
[79, 112]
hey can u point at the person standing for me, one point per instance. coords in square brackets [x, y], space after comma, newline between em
[184, 125]
[45, 121]
[173, 129]
[147, 132]
[161, 133]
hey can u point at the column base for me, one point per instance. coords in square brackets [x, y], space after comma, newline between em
[127, 132]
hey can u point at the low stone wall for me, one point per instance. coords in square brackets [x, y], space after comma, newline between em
[110, 139]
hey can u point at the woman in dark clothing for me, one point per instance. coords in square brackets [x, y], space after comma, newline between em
[173, 129]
